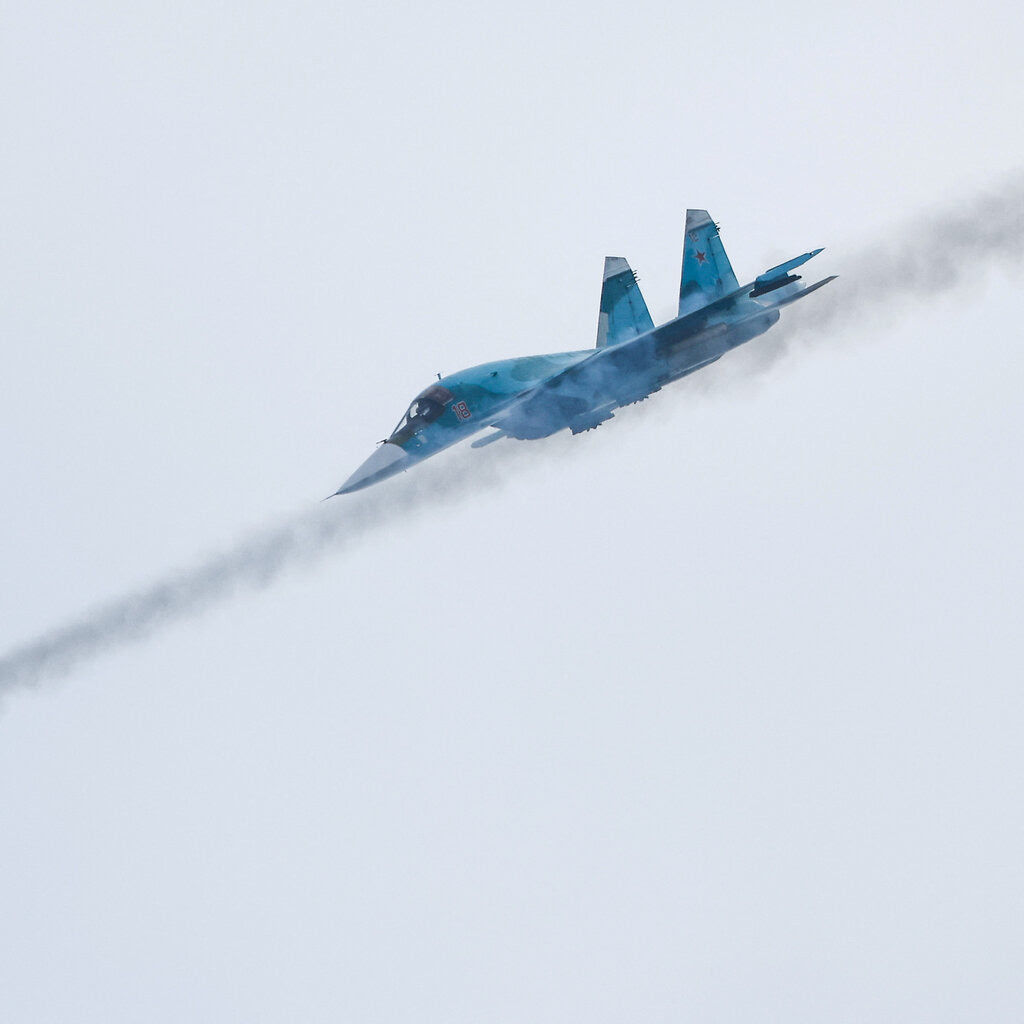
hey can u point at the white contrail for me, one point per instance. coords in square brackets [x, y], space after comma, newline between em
[940, 251]
[914, 261]
[252, 564]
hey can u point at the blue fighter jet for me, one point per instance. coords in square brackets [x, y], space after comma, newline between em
[535, 396]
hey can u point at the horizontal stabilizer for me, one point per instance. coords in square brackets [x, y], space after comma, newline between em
[780, 275]
[806, 291]
[623, 314]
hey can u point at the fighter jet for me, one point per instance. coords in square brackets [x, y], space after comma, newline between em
[535, 396]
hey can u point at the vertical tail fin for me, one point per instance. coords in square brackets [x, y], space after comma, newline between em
[623, 311]
[707, 273]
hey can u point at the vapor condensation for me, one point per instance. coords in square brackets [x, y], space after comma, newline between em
[949, 248]
[913, 262]
[252, 564]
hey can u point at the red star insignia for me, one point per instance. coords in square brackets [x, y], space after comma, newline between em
[701, 257]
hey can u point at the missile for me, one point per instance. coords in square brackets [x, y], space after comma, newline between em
[780, 275]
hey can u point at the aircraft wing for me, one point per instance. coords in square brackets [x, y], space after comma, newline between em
[580, 396]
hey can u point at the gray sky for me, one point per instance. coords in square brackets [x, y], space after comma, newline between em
[713, 713]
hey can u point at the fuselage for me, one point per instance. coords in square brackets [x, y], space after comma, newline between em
[535, 396]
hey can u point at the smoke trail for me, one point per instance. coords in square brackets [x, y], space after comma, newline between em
[917, 261]
[252, 564]
[934, 253]
[939, 252]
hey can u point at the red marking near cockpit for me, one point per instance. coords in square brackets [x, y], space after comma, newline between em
[462, 410]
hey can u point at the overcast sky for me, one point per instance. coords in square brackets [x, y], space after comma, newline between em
[711, 714]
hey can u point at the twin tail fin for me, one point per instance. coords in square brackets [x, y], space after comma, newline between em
[624, 314]
[707, 273]
[707, 276]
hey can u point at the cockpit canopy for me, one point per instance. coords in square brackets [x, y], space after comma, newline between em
[426, 407]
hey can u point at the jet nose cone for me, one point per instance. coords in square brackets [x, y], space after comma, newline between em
[386, 461]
